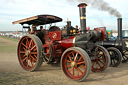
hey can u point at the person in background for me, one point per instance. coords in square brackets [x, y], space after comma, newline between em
[29, 30]
[77, 30]
[33, 28]
[41, 28]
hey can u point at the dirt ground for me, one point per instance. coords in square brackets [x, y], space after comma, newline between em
[11, 72]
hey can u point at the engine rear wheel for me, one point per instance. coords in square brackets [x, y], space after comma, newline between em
[29, 52]
[76, 63]
[100, 59]
[116, 56]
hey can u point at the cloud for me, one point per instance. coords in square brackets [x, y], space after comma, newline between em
[11, 10]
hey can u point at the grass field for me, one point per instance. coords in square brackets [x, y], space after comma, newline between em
[16, 40]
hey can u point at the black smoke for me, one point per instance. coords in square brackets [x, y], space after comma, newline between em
[100, 5]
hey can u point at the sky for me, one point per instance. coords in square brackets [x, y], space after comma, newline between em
[13, 10]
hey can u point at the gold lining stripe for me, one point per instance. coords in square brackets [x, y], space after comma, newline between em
[82, 17]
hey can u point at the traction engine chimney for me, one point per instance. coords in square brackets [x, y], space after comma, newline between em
[119, 20]
[82, 10]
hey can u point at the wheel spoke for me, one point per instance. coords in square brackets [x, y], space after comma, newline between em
[68, 61]
[24, 49]
[30, 43]
[68, 65]
[25, 58]
[80, 58]
[22, 52]
[75, 56]
[99, 64]
[101, 55]
[114, 61]
[33, 58]
[98, 53]
[93, 64]
[80, 62]
[70, 69]
[79, 70]
[82, 67]
[69, 58]
[73, 71]
[33, 52]
[33, 47]
[23, 45]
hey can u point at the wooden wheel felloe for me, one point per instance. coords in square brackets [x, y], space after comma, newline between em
[29, 52]
[116, 56]
[100, 59]
[76, 63]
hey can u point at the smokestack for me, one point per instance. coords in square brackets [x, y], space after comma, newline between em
[68, 24]
[82, 10]
[119, 21]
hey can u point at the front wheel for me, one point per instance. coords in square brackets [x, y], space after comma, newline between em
[76, 63]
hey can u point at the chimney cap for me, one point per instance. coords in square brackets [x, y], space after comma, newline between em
[82, 5]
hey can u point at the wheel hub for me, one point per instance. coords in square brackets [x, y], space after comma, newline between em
[27, 52]
[73, 64]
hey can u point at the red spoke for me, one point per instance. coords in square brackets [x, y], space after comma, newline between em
[93, 64]
[79, 70]
[24, 49]
[81, 62]
[101, 62]
[99, 65]
[25, 58]
[33, 52]
[82, 67]
[22, 52]
[80, 58]
[68, 65]
[101, 55]
[30, 43]
[73, 71]
[23, 45]
[98, 53]
[75, 56]
[27, 42]
[69, 58]
[68, 61]
[33, 58]
[70, 69]
[33, 47]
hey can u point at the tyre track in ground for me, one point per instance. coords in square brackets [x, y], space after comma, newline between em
[11, 72]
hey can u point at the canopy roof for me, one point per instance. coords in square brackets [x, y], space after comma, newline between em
[39, 20]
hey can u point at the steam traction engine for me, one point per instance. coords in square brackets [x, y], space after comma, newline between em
[117, 48]
[78, 52]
